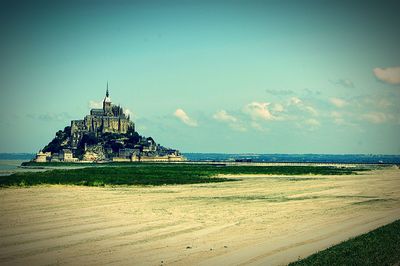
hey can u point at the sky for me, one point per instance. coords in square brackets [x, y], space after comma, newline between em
[207, 76]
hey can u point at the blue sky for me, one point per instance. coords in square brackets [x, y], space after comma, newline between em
[207, 76]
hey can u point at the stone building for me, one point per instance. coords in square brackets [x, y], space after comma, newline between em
[90, 140]
[111, 118]
[42, 157]
[67, 156]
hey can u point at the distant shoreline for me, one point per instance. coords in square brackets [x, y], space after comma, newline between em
[215, 163]
[264, 158]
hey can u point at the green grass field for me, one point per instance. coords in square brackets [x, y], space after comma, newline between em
[378, 247]
[156, 174]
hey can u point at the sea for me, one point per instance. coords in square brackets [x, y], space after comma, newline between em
[296, 158]
[10, 161]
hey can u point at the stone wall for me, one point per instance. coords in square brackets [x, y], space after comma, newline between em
[94, 153]
[98, 124]
[42, 157]
[78, 128]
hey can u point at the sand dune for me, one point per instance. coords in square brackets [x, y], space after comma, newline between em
[261, 220]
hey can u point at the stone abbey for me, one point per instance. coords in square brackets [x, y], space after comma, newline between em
[106, 134]
[110, 118]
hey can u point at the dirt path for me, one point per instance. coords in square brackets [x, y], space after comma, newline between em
[258, 221]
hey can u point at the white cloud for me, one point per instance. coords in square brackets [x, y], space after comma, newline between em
[383, 103]
[340, 121]
[128, 112]
[389, 75]
[95, 104]
[238, 127]
[181, 115]
[311, 110]
[232, 121]
[295, 101]
[376, 117]
[278, 108]
[312, 122]
[258, 110]
[224, 116]
[335, 114]
[338, 118]
[257, 126]
[375, 101]
[338, 102]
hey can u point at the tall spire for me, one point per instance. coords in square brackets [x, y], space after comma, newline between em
[107, 94]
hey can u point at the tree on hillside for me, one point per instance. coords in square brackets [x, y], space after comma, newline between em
[55, 145]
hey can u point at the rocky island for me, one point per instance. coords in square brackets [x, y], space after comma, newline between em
[106, 134]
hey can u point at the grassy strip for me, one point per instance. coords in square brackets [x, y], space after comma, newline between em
[378, 247]
[156, 174]
[216, 168]
[100, 176]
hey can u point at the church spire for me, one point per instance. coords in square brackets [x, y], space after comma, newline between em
[107, 94]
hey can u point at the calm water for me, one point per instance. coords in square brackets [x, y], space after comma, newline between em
[299, 158]
[11, 161]
[10, 164]
[8, 167]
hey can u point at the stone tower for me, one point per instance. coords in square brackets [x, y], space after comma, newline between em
[109, 119]
[107, 108]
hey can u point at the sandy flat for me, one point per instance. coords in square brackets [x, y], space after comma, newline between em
[261, 220]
